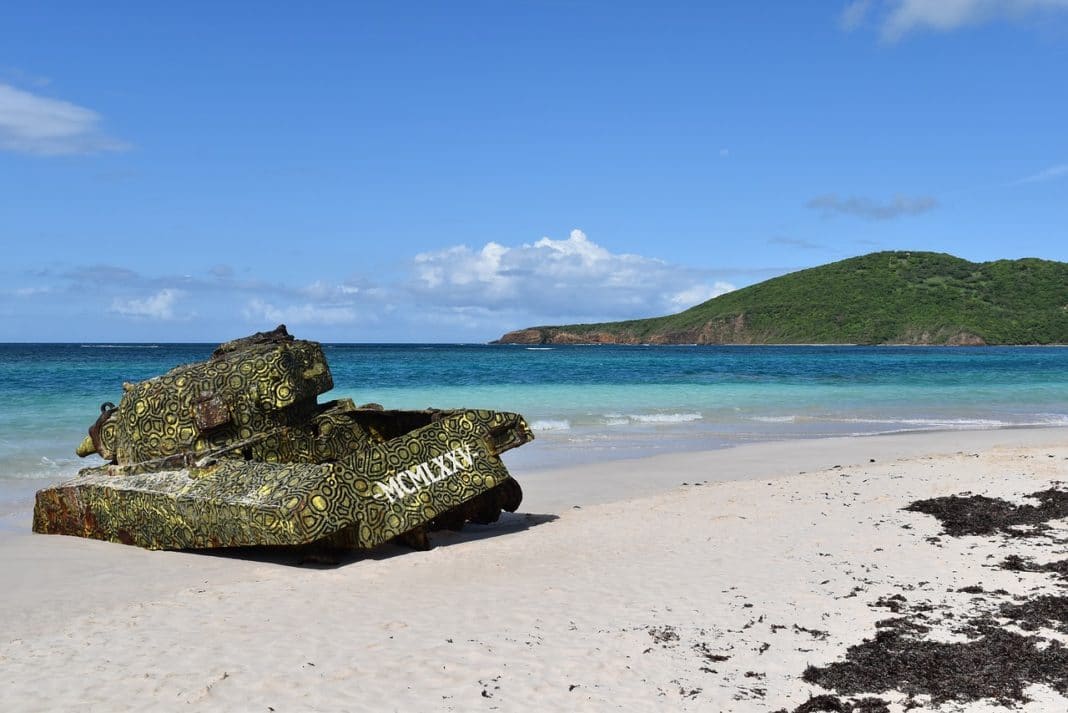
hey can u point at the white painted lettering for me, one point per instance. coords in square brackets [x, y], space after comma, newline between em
[388, 489]
[440, 463]
[410, 481]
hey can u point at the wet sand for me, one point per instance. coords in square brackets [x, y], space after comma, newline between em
[733, 580]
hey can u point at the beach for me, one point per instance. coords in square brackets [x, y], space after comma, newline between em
[701, 580]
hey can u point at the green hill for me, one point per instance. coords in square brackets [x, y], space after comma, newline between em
[881, 298]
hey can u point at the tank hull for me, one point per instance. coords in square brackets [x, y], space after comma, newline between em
[237, 451]
[436, 473]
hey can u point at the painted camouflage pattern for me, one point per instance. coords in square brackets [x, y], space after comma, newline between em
[235, 451]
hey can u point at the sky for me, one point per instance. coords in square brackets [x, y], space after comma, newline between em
[446, 172]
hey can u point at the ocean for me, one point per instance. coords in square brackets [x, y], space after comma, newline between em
[585, 403]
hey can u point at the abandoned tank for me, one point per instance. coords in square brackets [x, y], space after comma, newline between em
[236, 451]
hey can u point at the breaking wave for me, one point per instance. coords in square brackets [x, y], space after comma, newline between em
[551, 425]
[664, 417]
[45, 468]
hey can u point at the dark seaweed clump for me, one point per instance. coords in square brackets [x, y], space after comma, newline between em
[1047, 611]
[980, 515]
[834, 704]
[1016, 563]
[995, 663]
[998, 666]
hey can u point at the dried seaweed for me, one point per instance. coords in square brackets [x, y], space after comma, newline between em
[1016, 563]
[834, 704]
[664, 635]
[998, 666]
[995, 663]
[980, 515]
[1048, 611]
[895, 603]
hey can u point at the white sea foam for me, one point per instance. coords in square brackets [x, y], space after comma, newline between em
[946, 423]
[45, 469]
[955, 424]
[930, 422]
[539, 349]
[664, 417]
[551, 425]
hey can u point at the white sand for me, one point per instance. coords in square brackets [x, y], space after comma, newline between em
[536, 612]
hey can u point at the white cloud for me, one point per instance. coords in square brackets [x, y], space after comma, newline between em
[482, 268]
[1050, 174]
[573, 279]
[897, 18]
[34, 124]
[157, 306]
[458, 293]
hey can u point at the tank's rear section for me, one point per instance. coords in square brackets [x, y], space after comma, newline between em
[237, 451]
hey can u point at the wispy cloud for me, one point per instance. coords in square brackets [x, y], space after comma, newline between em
[17, 75]
[572, 279]
[258, 310]
[158, 306]
[459, 292]
[34, 124]
[898, 18]
[830, 205]
[218, 278]
[795, 243]
[854, 14]
[699, 293]
[32, 291]
[1049, 174]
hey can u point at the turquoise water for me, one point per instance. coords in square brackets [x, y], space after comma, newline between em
[585, 402]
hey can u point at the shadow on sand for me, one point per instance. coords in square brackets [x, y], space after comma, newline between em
[319, 557]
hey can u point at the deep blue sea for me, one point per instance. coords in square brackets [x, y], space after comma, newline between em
[584, 402]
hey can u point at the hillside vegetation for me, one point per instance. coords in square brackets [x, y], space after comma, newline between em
[881, 298]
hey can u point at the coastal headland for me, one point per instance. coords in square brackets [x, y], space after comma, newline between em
[891, 297]
[754, 578]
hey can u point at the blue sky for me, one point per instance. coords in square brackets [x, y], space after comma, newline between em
[449, 171]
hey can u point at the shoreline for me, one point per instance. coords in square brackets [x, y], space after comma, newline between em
[688, 581]
[606, 480]
[901, 443]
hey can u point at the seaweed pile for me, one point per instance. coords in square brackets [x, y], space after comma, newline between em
[1016, 563]
[994, 662]
[980, 515]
